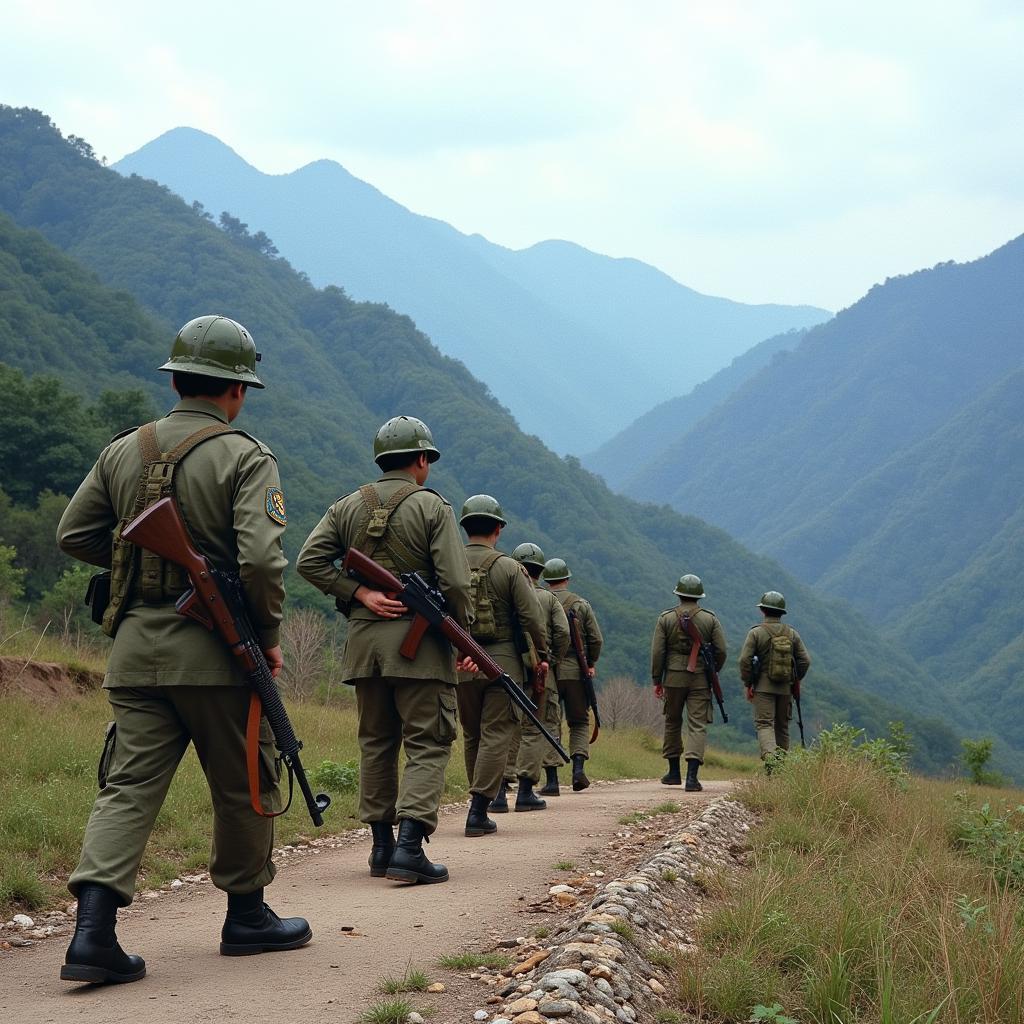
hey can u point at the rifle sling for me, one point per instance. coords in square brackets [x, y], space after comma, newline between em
[252, 760]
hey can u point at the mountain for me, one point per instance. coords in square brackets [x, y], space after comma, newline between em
[336, 368]
[885, 452]
[575, 344]
[646, 438]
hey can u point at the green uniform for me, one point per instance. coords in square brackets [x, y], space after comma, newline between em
[530, 751]
[670, 653]
[488, 716]
[398, 701]
[170, 681]
[773, 701]
[570, 682]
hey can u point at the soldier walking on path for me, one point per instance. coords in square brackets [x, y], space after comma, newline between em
[531, 751]
[406, 527]
[505, 604]
[782, 662]
[169, 681]
[570, 674]
[680, 680]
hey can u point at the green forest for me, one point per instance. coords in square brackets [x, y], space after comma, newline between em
[98, 271]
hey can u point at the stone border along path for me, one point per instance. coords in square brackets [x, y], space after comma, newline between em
[595, 974]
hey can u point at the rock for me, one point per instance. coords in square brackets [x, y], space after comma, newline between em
[521, 1005]
[531, 961]
[493, 1000]
[415, 1018]
[530, 1017]
[569, 976]
[656, 986]
[558, 1007]
[601, 971]
[436, 987]
[556, 889]
[565, 899]
[23, 921]
[602, 985]
[508, 943]
[177, 883]
[481, 1015]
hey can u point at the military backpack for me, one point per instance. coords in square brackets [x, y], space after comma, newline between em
[780, 658]
[485, 625]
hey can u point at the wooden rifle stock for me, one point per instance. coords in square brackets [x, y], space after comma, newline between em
[210, 602]
[428, 608]
[705, 651]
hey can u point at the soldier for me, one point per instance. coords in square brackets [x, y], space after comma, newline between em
[405, 527]
[782, 662]
[679, 679]
[569, 672]
[169, 681]
[505, 604]
[531, 753]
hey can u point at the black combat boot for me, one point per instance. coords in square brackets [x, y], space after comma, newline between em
[383, 847]
[409, 863]
[499, 805]
[526, 799]
[672, 776]
[95, 955]
[550, 787]
[692, 785]
[579, 778]
[252, 927]
[477, 822]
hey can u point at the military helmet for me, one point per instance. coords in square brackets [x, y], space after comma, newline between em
[529, 554]
[482, 506]
[690, 586]
[214, 346]
[404, 435]
[555, 570]
[773, 601]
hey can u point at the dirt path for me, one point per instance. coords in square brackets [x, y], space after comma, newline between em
[333, 979]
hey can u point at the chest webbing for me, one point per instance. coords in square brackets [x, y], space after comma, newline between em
[378, 539]
[144, 572]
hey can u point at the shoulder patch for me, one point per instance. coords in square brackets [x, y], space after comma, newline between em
[275, 505]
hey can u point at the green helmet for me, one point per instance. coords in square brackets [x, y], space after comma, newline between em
[773, 601]
[555, 570]
[529, 554]
[404, 435]
[214, 346]
[690, 586]
[484, 506]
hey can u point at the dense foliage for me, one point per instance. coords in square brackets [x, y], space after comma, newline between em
[336, 368]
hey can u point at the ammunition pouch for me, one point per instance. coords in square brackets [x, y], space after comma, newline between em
[97, 596]
[139, 572]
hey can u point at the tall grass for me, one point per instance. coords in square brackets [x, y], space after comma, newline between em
[860, 907]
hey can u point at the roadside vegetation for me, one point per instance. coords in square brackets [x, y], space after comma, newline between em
[873, 896]
[48, 773]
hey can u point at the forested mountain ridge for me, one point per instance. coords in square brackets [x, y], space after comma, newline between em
[645, 439]
[335, 369]
[551, 326]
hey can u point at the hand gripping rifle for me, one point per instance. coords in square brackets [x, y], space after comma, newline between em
[216, 602]
[428, 606]
[576, 639]
[706, 652]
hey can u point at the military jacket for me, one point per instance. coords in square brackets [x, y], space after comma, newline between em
[229, 493]
[586, 620]
[757, 643]
[670, 645]
[556, 625]
[514, 599]
[426, 526]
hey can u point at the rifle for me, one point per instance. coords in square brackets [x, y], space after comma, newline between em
[428, 605]
[706, 652]
[216, 602]
[755, 674]
[576, 636]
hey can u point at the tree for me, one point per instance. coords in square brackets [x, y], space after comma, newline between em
[11, 577]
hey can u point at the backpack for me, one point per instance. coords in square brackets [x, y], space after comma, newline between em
[484, 629]
[780, 658]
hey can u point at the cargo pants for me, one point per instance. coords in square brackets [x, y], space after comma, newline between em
[772, 714]
[151, 731]
[687, 691]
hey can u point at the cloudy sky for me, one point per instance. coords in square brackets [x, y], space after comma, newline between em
[766, 151]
